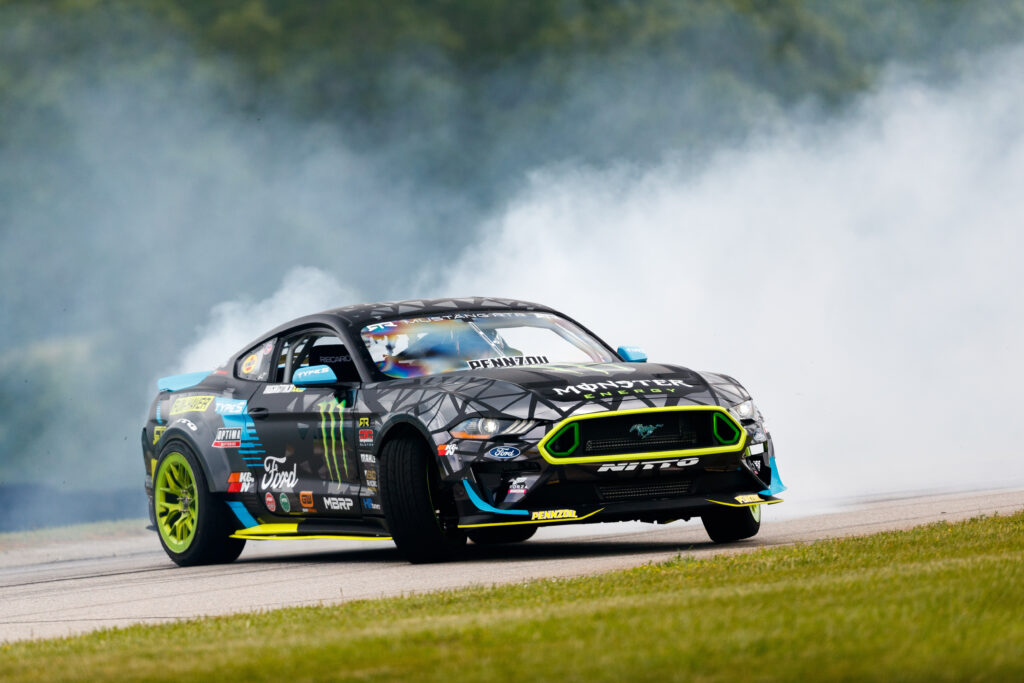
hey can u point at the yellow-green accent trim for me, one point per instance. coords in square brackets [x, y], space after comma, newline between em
[744, 505]
[282, 531]
[691, 452]
[531, 521]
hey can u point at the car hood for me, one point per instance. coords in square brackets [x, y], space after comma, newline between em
[556, 390]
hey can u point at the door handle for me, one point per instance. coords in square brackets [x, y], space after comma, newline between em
[259, 413]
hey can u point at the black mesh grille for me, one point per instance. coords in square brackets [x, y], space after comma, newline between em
[644, 491]
[649, 432]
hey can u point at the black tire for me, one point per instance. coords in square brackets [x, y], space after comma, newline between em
[728, 524]
[494, 535]
[213, 523]
[420, 514]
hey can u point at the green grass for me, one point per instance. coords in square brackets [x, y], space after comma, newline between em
[941, 602]
[75, 532]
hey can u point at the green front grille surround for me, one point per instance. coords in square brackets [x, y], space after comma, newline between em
[562, 445]
[720, 424]
[573, 427]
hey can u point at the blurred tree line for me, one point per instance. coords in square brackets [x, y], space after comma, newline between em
[447, 82]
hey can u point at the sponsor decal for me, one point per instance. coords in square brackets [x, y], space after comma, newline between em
[622, 387]
[517, 485]
[553, 514]
[475, 315]
[503, 452]
[230, 437]
[370, 504]
[242, 482]
[336, 359]
[270, 502]
[371, 478]
[188, 423]
[749, 498]
[306, 501]
[338, 503]
[267, 348]
[332, 413]
[364, 422]
[229, 406]
[286, 503]
[157, 433]
[274, 478]
[507, 362]
[250, 363]
[644, 431]
[282, 389]
[368, 458]
[447, 449]
[647, 465]
[191, 404]
[366, 437]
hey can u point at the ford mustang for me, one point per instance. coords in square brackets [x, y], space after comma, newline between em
[432, 421]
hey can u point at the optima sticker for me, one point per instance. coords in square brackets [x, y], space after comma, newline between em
[230, 437]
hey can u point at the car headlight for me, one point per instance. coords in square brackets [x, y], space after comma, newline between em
[744, 411]
[489, 427]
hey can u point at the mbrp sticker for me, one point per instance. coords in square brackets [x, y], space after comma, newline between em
[503, 452]
[338, 503]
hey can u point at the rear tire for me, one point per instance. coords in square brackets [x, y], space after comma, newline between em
[495, 535]
[728, 524]
[415, 506]
[193, 525]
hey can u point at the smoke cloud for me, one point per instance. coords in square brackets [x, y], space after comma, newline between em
[860, 277]
[235, 323]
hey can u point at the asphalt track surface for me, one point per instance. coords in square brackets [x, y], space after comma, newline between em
[66, 588]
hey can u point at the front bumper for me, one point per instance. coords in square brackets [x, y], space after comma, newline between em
[535, 491]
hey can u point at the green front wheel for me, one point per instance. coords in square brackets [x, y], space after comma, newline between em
[194, 527]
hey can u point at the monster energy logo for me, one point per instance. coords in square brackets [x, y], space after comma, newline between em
[328, 409]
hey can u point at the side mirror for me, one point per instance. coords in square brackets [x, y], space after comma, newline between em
[313, 376]
[632, 354]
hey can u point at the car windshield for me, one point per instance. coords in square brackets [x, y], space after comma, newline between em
[471, 340]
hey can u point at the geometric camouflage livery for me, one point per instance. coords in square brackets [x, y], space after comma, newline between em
[302, 461]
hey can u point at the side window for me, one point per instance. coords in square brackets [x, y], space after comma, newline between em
[316, 348]
[255, 363]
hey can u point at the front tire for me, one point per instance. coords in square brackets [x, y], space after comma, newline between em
[194, 527]
[728, 524]
[415, 506]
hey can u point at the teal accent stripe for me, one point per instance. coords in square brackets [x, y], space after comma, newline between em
[481, 504]
[179, 382]
[776, 485]
[243, 515]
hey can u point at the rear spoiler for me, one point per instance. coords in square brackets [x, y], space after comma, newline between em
[179, 382]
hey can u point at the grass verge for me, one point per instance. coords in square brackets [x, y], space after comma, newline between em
[940, 602]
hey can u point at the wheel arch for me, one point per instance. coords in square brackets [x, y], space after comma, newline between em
[403, 426]
[179, 434]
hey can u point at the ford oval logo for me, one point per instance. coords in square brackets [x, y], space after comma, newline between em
[503, 452]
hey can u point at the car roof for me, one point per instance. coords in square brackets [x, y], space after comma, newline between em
[362, 314]
[358, 315]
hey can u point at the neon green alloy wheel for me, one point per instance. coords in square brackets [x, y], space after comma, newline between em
[755, 511]
[176, 503]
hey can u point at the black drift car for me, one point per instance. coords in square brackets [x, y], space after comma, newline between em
[430, 421]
